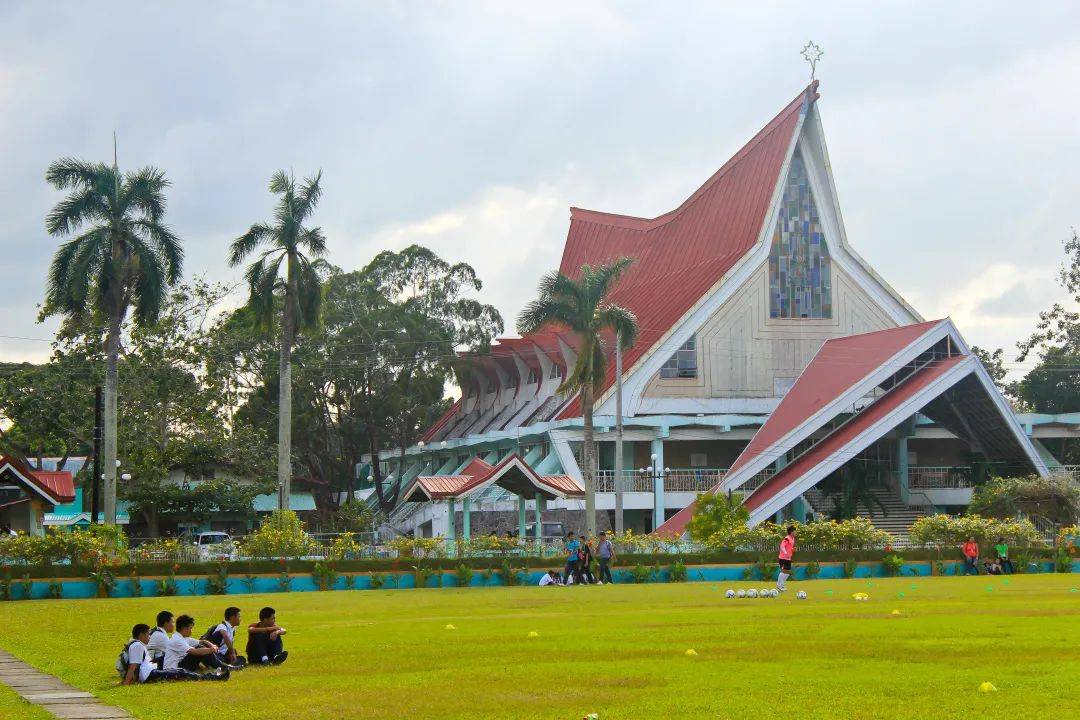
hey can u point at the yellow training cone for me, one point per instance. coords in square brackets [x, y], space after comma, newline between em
[895, 612]
[451, 627]
[987, 687]
[861, 596]
[533, 633]
[691, 653]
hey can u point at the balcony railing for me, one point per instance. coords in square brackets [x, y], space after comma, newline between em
[926, 477]
[695, 480]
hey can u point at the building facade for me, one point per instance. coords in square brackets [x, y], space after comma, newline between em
[738, 291]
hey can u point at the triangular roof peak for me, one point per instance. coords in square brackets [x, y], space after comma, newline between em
[698, 242]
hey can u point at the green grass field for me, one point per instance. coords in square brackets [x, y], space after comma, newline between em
[619, 651]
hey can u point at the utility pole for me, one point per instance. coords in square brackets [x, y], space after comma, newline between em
[618, 437]
[95, 480]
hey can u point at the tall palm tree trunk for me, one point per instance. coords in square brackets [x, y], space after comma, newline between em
[109, 419]
[284, 466]
[588, 456]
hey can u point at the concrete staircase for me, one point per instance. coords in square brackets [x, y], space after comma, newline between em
[894, 516]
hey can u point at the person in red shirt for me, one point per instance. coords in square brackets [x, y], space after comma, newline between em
[787, 549]
[971, 556]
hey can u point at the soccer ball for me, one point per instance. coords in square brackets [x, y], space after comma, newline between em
[751, 593]
[801, 595]
[729, 594]
[774, 593]
[741, 593]
[764, 592]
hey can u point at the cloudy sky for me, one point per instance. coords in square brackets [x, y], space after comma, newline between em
[471, 127]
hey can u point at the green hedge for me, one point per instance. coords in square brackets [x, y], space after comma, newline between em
[267, 567]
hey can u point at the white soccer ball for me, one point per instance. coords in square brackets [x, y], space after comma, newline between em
[751, 593]
[741, 593]
[774, 593]
[729, 594]
[764, 592]
[801, 595]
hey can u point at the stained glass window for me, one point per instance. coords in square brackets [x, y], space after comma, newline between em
[800, 274]
[683, 364]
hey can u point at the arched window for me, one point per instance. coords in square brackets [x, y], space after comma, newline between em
[800, 273]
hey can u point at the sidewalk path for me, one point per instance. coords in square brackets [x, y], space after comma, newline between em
[55, 696]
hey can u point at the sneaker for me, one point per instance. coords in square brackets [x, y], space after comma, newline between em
[222, 674]
[280, 657]
[265, 660]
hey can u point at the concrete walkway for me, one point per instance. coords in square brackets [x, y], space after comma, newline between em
[55, 696]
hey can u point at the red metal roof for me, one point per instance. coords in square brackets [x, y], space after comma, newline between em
[681, 255]
[478, 473]
[445, 418]
[869, 416]
[564, 484]
[59, 486]
[840, 364]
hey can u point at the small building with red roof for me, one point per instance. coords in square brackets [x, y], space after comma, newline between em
[766, 340]
[28, 495]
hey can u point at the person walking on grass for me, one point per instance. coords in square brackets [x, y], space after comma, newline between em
[787, 549]
[572, 561]
[605, 556]
[1002, 550]
[585, 557]
[971, 556]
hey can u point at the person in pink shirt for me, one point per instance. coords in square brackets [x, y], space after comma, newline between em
[787, 549]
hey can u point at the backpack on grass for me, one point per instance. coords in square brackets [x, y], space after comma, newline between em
[124, 661]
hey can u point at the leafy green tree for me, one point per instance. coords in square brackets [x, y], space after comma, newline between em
[1056, 497]
[717, 512]
[290, 243]
[581, 305]
[122, 257]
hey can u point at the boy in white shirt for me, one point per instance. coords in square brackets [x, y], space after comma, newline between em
[224, 636]
[551, 578]
[159, 637]
[136, 666]
[186, 653]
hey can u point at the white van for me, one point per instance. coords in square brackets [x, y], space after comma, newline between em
[215, 546]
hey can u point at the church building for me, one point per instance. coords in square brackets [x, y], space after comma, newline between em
[772, 361]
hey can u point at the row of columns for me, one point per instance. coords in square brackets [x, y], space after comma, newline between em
[466, 517]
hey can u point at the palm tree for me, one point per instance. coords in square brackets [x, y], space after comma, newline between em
[123, 257]
[581, 306]
[286, 239]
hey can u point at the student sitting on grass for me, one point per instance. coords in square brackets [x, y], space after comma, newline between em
[135, 665]
[264, 645]
[159, 638]
[187, 653]
[224, 636]
[550, 578]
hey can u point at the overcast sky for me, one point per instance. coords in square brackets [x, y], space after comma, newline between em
[472, 127]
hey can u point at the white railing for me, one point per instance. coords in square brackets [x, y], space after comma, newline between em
[693, 479]
[633, 481]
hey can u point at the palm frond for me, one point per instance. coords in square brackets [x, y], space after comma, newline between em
[601, 278]
[77, 209]
[59, 290]
[314, 240]
[246, 243]
[543, 310]
[167, 245]
[281, 183]
[620, 321]
[144, 190]
[86, 269]
[262, 277]
[308, 293]
[308, 197]
[150, 281]
[73, 173]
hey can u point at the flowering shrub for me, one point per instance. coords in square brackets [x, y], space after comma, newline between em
[854, 534]
[1068, 539]
[418, 547]
[78, 547]
[343, 547]
[160, 549]
[947, 531]
[281, 535]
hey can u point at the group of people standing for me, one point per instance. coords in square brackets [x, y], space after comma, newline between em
[170, 652]
[580, 554]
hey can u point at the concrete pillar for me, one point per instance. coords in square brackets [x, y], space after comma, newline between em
[538, 531]
[451, 520]
[34, 521]
[466, 518]
[658, 480]
[521, 517]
